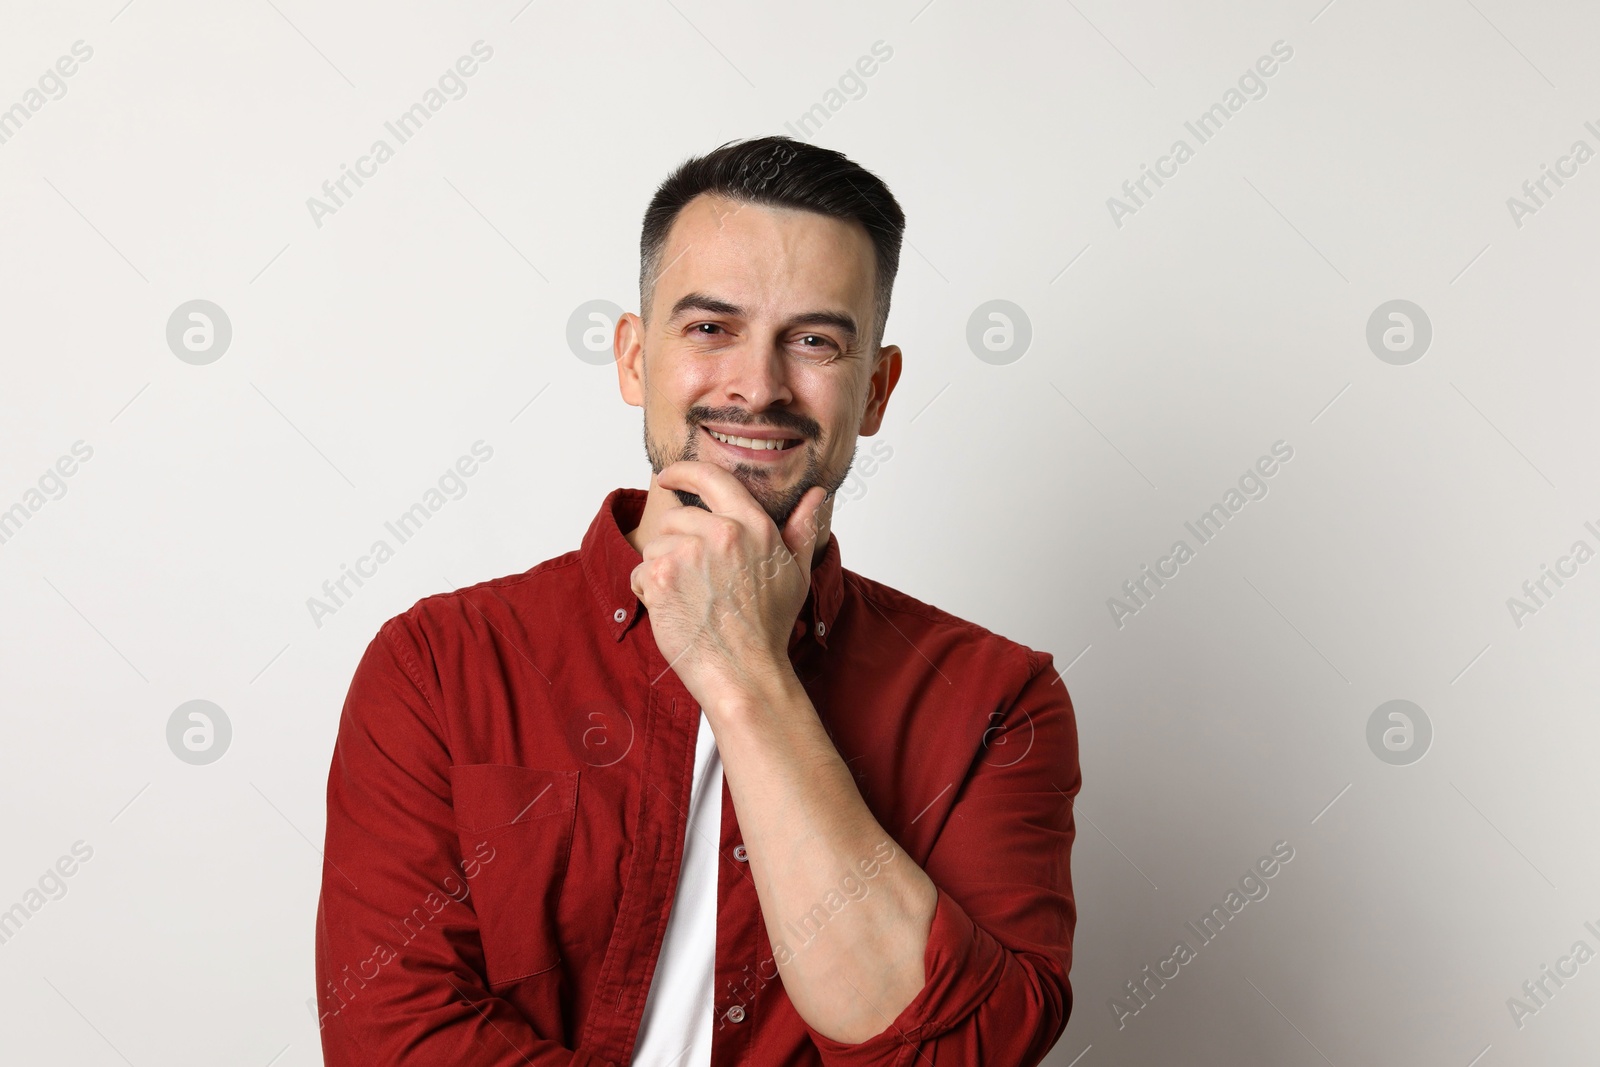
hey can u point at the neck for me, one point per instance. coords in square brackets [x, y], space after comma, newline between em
[661, 500]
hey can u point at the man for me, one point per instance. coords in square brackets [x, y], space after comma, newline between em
[695, 794]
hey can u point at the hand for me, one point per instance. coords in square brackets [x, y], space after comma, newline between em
[724, 587]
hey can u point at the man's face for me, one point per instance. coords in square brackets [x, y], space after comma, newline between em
[759, 329]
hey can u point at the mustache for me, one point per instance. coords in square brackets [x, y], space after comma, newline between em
[776, 419]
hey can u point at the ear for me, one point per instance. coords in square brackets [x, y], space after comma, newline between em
[885, 376]
[628, 345]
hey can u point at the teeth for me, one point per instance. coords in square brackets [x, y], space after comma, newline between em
[747, 442]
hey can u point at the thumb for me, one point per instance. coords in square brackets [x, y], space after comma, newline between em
[800, 532]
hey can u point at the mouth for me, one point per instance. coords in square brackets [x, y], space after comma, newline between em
[758, 446]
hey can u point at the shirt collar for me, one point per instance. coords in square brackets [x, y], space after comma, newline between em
[608, 562]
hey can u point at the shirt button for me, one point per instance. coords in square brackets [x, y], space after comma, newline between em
[740, 854]
[822, 628]
[736, 1014]
[620, 614]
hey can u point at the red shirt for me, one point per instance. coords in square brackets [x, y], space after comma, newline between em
[507, 806]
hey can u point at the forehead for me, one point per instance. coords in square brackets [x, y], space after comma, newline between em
[765, 256]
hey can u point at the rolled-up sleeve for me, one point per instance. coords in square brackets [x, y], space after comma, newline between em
[399, 960]
[1000, 943]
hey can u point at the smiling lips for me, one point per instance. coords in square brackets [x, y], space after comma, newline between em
[765, 444]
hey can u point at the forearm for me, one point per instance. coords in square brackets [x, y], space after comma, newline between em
[847, 912]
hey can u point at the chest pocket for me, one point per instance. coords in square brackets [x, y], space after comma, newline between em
[518, 822]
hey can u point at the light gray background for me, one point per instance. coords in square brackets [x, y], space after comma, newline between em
[1167, 355]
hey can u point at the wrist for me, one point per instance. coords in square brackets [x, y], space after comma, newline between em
[759, 692]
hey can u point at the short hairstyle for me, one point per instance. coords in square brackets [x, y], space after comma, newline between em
[783, 172]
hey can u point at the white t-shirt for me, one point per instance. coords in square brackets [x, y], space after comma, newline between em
[676, 1028]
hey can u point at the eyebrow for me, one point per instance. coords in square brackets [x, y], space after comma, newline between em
[844, 323]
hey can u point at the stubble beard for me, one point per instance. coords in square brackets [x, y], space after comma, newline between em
[778, 503]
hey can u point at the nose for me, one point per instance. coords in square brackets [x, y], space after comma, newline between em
[757, 376]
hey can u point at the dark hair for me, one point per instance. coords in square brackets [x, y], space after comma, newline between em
[789, 173]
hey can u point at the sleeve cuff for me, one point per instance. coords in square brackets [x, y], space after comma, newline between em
[962, 965]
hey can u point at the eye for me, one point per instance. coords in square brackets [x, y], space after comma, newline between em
[823, 344]
[712, 325]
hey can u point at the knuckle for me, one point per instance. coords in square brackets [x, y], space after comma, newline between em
[725, 534]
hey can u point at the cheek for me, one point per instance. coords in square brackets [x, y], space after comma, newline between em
[837, 401]
[693, 378]
[669, 395]
[675, 373]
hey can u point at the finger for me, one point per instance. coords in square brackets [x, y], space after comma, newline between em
[655, 549]
[694, 522]
[665, 542]
[723, 493]
[705, 535]
[801, 531]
